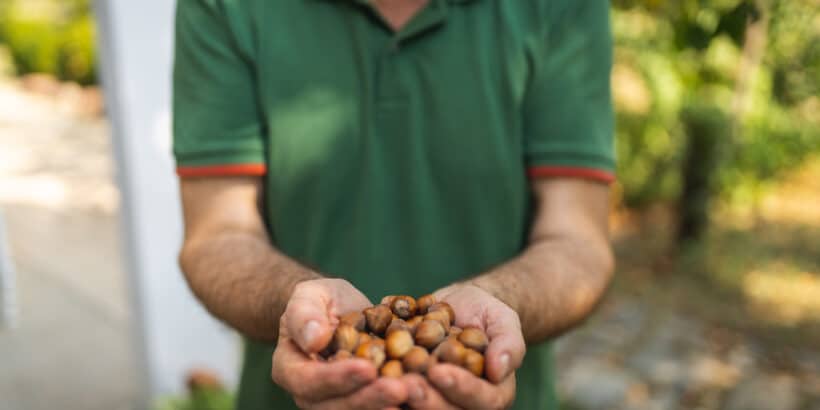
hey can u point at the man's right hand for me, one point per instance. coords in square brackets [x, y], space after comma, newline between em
[305, 328]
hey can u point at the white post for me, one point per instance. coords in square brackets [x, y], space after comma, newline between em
[174, 332]
[8, 305]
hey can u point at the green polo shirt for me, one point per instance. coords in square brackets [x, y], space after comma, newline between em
[398, 161]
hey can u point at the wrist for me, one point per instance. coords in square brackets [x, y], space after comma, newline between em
[494, 287]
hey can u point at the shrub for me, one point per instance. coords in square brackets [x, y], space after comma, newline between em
[58, 40]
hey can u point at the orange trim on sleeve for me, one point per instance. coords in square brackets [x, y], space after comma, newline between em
[223, 170]
[575, 172]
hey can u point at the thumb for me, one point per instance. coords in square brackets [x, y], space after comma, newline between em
[506, 349]
[307, 318]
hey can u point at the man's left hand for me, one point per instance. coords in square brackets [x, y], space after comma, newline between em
[451, 387]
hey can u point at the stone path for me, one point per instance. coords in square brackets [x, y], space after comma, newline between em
[634, 356]
[72, 347]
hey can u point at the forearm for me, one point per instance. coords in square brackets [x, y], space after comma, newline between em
[553, 285]
[242, 280]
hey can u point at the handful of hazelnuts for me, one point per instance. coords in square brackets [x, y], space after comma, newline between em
[405, 335]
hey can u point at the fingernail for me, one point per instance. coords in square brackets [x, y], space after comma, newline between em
[447, 381]
[504, 361]
[310, 331]
[417, 394]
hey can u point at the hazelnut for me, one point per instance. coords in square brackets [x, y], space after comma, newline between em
[398, 343]
[392, 369]
[474, 362]
[454, 332]
[364, 337]
[451, 351]
[397, 324]
[429, 333]
[424, 303]
[474, 338]
[388, 300]
[378, 318]
[341, 355]
[371, 351]
[377, 340]
[443, 306]
[345, 338]
[414, 322]
[439, 316]
[417, 360]
[403, 307]
[355, 319]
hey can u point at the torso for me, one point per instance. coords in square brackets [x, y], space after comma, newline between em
[396, 149]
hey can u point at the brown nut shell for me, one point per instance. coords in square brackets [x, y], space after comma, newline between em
[474, 338]
[443, 306]
[440, 316]
[378, 318]
[388, 300]
[355, 319]
[417, 360]
[392, 369]
[414, 322]
[398, 343]
[454, 332]
[345, 337]
[397, 324]
[371, 351]
[423, 303]
[451, 351]
[430, 333]
[474, 362]
[364, 337]
[403, 306]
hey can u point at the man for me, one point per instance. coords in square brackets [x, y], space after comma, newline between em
[332, 152]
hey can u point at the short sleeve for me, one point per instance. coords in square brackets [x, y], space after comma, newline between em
[568, 117]
[217, 126]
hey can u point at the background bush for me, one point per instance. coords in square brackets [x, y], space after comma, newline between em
[50, 36]
[747, 73]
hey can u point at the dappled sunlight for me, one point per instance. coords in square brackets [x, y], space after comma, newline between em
[39, 165]
[316, 120]
[629, 90]
[783, 297]
[796, 199]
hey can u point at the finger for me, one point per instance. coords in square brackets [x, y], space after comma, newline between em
[507, 348]
[462, 388]
[381, 394]
[307, 318]
[421, 395]
[316, 380]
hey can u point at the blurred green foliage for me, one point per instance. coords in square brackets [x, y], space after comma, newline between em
[50, 36]
[754, 64]
[208, 399]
